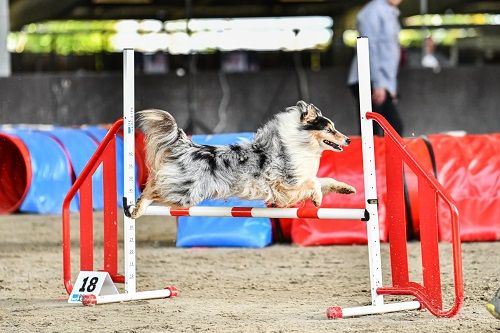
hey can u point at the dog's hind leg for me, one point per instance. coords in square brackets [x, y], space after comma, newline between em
[140, 207]
[331, 185]
[146, 198]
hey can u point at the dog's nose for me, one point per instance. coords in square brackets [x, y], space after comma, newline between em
[347, 141]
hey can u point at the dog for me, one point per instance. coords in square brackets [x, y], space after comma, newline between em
[279, 166]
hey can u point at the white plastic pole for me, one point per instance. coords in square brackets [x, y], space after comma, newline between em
[384, 308]
[322, 213]
[129, 166]
[153, 294]
[368, 151]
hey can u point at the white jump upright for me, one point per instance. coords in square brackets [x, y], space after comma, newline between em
[129, 167]
[129, 237]
[371, 198]
[369, 176]
[428, 294]
[130, 266]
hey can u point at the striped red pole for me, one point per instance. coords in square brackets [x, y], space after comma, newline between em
[302, 212]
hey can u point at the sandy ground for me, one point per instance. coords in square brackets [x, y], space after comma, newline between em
[282, 288]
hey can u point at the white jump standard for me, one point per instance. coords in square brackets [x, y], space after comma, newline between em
[428, 294]
[107, 149]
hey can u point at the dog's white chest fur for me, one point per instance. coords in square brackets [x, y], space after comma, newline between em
[304, 155]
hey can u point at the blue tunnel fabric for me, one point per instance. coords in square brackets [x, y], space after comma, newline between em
[80, 147]
[51, 172]
[224, 231]
[223, 138]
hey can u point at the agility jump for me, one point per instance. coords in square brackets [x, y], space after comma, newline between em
[428, 294]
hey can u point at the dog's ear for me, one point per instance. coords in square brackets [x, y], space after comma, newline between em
[318, 111]
[308, 112]
[302, 106]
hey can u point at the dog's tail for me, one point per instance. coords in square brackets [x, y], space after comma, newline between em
[161, 132]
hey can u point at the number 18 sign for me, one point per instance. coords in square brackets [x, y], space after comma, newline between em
[91, 282]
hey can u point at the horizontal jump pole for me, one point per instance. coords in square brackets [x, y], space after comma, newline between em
[140, 295]
[304, 212]
[336, 312]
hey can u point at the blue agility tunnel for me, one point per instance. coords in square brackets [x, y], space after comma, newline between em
[50, 171]
[224, 231]
[80, 146]
[38, 165]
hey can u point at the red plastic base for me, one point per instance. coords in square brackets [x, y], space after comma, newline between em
[173, 291]
[89, 300]
[334, 312]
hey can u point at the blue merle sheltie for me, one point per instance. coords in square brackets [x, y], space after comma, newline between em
[278, 166]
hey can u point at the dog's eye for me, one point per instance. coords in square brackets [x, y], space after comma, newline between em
[329, 130]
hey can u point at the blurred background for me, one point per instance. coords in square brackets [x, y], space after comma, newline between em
[227, 66]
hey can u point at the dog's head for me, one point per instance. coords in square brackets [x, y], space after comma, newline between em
[320, 128]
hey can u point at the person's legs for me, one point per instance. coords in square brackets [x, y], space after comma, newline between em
[389, 111]
[381, 109]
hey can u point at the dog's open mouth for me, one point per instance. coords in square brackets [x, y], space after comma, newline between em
[333, 145]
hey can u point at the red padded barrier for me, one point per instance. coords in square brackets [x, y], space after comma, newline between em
[469, 168]
[346, 167]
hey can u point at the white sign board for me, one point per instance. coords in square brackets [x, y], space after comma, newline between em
[91, 282]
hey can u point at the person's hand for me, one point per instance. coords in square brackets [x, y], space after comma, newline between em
[378, 95]
[394, 97]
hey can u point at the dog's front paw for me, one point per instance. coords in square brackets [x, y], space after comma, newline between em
[317, 199]
[343, 188]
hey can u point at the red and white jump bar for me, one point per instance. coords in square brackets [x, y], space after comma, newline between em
[303, 212]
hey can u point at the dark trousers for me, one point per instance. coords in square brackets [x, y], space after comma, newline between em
[387, 109]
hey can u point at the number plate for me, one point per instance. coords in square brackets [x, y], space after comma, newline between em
[91, 282]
